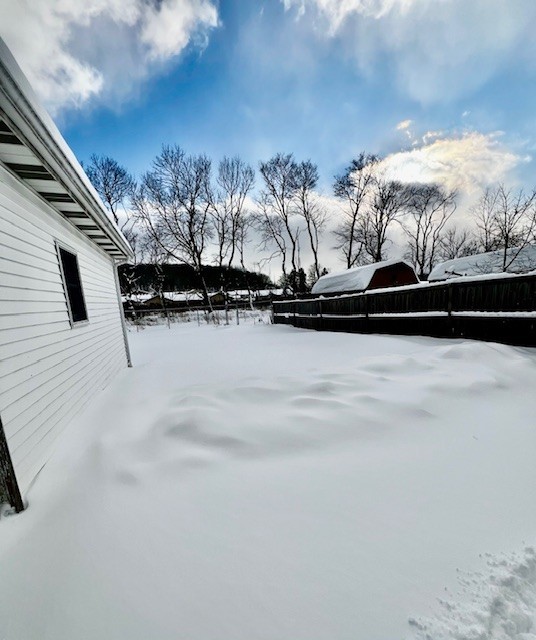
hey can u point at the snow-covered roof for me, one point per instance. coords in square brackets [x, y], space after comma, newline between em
[195, 296]
[174, 296]
[521, 261]
[355, 279]
[244, 293]
[183, 296]
[35, 151]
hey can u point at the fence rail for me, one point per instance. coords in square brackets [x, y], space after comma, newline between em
[496, 309]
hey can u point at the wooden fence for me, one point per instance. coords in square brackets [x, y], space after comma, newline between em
[500, 309]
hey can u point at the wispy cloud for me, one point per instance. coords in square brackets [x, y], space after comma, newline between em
[439, 50]
[337, 12]
[405, 124]
[75, 50]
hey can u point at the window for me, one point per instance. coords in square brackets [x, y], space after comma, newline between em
[73, 285]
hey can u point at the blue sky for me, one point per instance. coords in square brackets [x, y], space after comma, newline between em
[445, 89]
[307, 77]
[240, 95]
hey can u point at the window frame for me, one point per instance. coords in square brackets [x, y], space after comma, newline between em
[68, 249]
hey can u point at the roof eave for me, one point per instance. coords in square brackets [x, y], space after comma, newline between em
[39, 132]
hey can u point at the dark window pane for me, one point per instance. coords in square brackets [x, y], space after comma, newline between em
[73, 285]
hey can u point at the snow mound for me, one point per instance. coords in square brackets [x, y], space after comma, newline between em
[197, 426]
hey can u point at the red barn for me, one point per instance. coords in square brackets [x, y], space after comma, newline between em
[389, 273]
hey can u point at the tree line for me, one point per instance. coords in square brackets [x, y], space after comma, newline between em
[182, 277]
[185, 210]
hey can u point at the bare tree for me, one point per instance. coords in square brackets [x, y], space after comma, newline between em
[234, 181]
[353, 186]
[506, 221]
[272, 231]
[172, 205]
[484, 214]
[245, 224]
[427, 212]
[456, 243]
[277, 207]
[112, 182]
[308, 207]
[312, 275]
[150, 251]
[515, 221]
[388, 201]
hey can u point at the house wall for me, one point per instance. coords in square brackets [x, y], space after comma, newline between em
[48, 370]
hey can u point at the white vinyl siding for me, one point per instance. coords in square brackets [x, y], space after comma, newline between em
[48, 369]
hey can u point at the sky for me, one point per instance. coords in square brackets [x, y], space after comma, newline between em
[443, 89]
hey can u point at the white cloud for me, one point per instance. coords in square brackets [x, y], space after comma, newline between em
[167, 29]
[439, 49]
[74, 50]
[468, 162]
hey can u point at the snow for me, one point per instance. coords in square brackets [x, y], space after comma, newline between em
[355, 279]
[183, 296]
[267, 482]
[522, 261]
[502, 603]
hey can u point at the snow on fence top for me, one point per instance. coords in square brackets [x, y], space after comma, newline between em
[517, 261]
[361, 278]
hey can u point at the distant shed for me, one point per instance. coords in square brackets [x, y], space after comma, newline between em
[389, 273]
[516, 261]
[62, 336]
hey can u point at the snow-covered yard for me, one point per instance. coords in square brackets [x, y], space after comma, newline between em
[265, 482]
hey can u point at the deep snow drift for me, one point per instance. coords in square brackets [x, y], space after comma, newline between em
[265, 482]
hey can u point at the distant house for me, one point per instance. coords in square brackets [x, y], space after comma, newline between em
[179, 299]
[517, 261]
[62, 336]
[256, 295]
[389, 273]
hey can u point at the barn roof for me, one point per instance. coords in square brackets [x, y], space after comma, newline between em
[355, 279]
[32, 148]
[522, 261]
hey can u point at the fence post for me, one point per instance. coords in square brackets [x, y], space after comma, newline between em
[449, 307]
